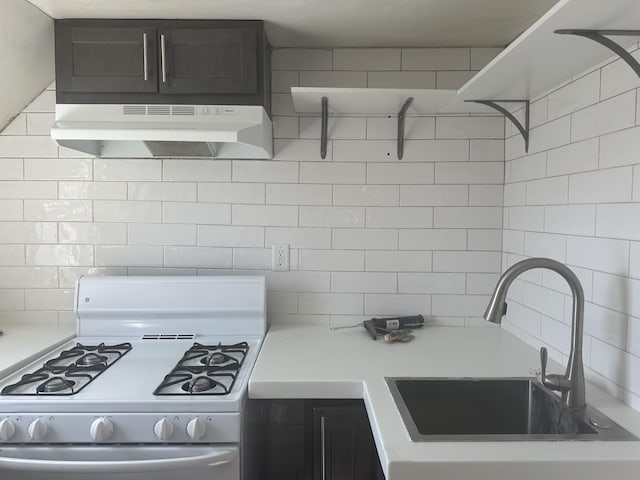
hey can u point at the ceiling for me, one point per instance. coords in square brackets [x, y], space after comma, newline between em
[338, 23]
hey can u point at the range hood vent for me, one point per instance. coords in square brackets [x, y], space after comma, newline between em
[195, 131]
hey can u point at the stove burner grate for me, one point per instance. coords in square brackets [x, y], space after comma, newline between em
[70, 371]
[205, 370]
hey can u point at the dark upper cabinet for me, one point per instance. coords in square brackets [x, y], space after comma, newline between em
[106, 59]
[204, 60]
[162, 61]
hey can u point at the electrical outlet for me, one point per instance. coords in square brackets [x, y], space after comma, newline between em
[280, 258]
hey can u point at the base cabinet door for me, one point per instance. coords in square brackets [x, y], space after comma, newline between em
[343, 447]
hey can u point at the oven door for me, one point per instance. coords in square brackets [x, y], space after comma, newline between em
[120, 462]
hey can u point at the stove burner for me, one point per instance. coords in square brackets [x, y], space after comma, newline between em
[205, 370]
[91, 359]
[56, 384]
[215, 359]
[199, 384]
[82, 363]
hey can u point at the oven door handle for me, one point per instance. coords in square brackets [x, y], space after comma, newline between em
[212, 459]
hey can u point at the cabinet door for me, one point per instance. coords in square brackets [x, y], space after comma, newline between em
[106, 59]
[202, 60]
[343, 448]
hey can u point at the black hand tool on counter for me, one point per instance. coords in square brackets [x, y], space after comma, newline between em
[381, 326]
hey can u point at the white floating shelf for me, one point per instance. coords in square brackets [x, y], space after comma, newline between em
[540, 60]
[379, 101]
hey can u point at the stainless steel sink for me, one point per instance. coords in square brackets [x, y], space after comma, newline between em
[494, 409]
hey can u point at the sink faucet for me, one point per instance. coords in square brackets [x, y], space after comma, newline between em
[571, 384]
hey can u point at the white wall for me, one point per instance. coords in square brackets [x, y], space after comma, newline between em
[369, 235]
[576, 198]
[26, 56]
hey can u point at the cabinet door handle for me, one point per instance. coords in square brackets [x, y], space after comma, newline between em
[163, 58]
[145, 56]
[323, 449]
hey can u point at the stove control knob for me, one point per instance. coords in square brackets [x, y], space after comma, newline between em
[101, 429]
[163, 429]
[196, 429]
[7, 429]
[37, 430]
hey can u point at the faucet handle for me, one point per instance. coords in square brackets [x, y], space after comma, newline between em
[543, 362]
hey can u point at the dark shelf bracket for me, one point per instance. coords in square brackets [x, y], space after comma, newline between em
[523, 129]
[600, 36]
[323, 128]
[401, 118]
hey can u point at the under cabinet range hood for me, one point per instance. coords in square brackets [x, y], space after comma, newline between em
[193, 131]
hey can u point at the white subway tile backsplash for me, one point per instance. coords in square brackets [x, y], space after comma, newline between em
[470, 127]
[282, 81]
[231, 193]
[484, 262]
[12, 255]
[431, 283]
[526, 218]
[394, 304]
[400, 173]
[126, 211]
[49, 299]
[366, 59]
[29, 232]
[620, 148]
[295, 194]
[365, 239]
[436, 59]
[304, 282]
[11, 169]
[332, 260]
[285, 127]
[333, 79]
[92, 190]
[331, 303]
[551, 135]
[129, 256]
[196, 213]
[547, 191]
[618, 220]
[93, 233]
[27, 147]
[440, 195]
[545, 245]
[52, 210]
[334, 173]
[17, 126]
[617, 293]
[364, 282]
[513, 241]
[604, 255]
[11, 210]
[261, 171]
[399, 217]
[318, 216]
[337, 128]
[488, 240]
[617, 77]
[230, 236]
[299, 237]
[570, 219]
[22, 190]
[545, 301]
[11, 299]
[282, 302]
[301, 59]
[252, 258]
[123, 170]
[185, 170]
[57, 169]
[607, 116]
[574, 96]
[366, 195]
[515, 194]
[467, 217]
[486, 195]
[453, 80]
[470, 172]
[459, 305]
[602, 186]
[530, 167]
[481, 283]
[62, 255]
[28, 277]
[161, 234]
[397, 261]
[606, 325]
[45, 102]
[634, 262]
[573, 158]
[164, 191]
[482, 150]
[282, 104]
[401, 80]
[433, 239]
[268, 215]
[40, 123]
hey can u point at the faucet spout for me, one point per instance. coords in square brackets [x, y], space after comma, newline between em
[573, 381]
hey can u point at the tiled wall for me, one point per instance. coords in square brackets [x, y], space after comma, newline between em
[369, 235]
[576, 198]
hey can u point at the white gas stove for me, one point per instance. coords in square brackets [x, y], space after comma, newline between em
[155, 381]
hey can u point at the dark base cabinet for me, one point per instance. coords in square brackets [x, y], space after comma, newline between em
[313, 440]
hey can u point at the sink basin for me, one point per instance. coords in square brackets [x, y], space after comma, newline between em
[494, 409]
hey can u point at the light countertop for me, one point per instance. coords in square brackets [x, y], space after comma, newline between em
[23, 342]
[300, 361]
